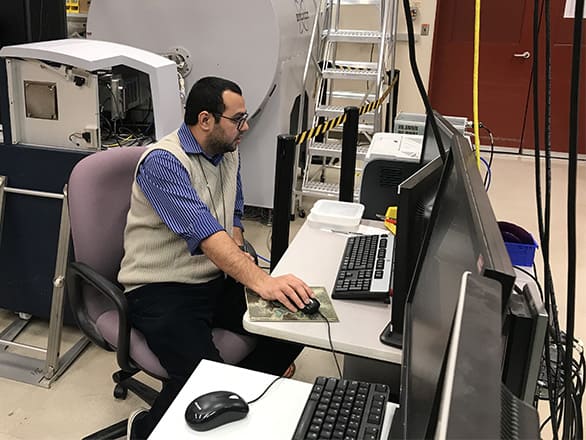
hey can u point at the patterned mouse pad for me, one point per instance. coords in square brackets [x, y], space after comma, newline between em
[261, 310]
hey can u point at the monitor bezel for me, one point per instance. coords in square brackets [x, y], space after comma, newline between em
[493, 261]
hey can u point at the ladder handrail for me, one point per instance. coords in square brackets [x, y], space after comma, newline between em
[331, 74]
[381, 52]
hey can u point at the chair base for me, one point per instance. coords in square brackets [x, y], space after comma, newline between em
[124, 382]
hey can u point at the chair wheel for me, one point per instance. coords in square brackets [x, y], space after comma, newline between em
[120, 392]
[301, 213]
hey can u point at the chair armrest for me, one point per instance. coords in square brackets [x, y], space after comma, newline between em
[79, 273]
[249, 248]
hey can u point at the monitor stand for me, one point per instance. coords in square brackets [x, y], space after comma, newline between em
[390, 337]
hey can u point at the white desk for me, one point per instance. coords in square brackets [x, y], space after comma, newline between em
[273, 417]
[314, 255]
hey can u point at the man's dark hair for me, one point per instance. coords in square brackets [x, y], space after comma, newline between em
[206, 95]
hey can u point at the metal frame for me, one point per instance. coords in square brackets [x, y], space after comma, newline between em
[28, 369]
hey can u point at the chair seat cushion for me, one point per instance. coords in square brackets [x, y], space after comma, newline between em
[140, 353]
[233, 347]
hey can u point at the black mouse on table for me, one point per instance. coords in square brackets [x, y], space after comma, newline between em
[215, 409]
[310, 308]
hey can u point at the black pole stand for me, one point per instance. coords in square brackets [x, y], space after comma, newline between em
[284, 166]
[348, 158]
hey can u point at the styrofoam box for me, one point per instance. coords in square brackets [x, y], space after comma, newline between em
[342, 216]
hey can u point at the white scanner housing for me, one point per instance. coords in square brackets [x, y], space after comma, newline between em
[53, 90]
[259, 44]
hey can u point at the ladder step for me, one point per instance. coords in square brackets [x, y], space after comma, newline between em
[359, 2]
[332, 111]
[350, 72]
[334, 149]
[324, 189]
[352, 36]
[355, 96]
[368, 128]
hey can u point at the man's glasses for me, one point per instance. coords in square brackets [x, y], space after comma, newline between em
[239, 121]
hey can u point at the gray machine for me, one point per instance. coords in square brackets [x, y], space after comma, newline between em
[62, 91]
[260, 44]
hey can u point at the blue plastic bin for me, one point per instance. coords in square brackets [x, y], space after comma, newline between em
[521, 254]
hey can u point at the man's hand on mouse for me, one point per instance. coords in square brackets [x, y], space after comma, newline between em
[289, 290]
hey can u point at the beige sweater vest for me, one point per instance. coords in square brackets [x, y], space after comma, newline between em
[152, 252]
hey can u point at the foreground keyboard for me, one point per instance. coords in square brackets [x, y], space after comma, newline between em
[365, 270]
[343, 410]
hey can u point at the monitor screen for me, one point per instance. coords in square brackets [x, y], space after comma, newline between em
[462, 236]
[415, 201]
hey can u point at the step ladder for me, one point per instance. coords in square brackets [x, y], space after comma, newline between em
[345, 67]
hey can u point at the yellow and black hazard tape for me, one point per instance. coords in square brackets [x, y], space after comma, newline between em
[351, 68]
[332, 123]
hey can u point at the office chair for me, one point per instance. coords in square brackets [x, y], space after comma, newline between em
[99, 199]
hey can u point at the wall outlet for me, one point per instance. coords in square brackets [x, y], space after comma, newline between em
[424, 29]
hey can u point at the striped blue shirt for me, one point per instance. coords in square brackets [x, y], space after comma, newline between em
[166, 185]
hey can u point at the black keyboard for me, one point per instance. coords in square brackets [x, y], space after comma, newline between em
[365, 270]
[343, 410]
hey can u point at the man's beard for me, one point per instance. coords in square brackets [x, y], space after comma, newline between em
[216, 145]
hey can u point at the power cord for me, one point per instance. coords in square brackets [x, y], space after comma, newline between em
[331, 343]
[488, 177]
[266, 389]
[333, 353]
[418, 80]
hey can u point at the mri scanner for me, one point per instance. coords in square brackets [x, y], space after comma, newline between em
[259, 44]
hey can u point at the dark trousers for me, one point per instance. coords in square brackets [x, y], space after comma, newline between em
[177, 320]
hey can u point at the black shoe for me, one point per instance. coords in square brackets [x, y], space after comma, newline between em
[132, 431]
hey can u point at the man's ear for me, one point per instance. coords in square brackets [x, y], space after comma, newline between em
[205, 120]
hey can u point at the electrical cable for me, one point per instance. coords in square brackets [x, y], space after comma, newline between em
[419, 81]
[572, 417]
[265, 390]
[266, 260]
[543, 232]
[488, 176]
[475, 81]
[491, 156]
[331, 343]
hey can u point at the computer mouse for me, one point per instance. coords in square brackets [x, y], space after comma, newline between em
[214, 409]
[312, 307]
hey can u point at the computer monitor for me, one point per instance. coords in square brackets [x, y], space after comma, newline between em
[415, 202]
[473, 402]
[416, 197]
[462, 236]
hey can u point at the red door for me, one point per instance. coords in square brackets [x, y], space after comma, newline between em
[506, 57]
